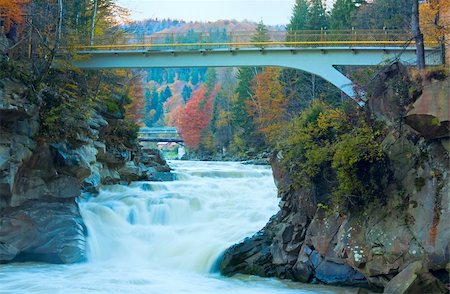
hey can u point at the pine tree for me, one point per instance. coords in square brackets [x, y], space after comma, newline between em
[186, 93]
[300, 16]
[317, 16]
[164, 95]
[261, 34]
[341, 14]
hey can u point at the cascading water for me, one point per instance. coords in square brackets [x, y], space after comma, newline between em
[164, 237]
[184, 224]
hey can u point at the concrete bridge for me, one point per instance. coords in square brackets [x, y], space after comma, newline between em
[316, 52]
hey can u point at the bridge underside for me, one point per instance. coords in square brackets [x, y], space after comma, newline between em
[320, 61]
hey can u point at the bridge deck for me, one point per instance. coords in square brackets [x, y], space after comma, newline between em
[316, 52]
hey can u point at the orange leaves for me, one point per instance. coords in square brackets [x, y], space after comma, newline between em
[11, 12]
[134, 110]
[268, 103]
[196, 116]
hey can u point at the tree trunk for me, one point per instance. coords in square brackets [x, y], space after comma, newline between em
[417, 34]
[60, 18]
[94, 15]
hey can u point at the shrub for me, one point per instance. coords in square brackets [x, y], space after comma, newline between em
[336, 149]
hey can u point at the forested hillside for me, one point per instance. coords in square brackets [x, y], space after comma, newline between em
[250, 107]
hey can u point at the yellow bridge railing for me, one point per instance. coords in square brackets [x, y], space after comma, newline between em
[222, 39]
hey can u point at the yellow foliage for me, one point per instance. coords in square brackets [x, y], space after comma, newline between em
[435, 19]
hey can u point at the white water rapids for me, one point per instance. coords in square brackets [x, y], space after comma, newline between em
[164, 237]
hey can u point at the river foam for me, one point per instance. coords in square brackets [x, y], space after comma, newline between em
[164, 237]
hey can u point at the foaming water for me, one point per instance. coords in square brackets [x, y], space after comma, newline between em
[164, 237]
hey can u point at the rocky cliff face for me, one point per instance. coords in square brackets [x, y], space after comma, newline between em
[39, 180]
[401, 246]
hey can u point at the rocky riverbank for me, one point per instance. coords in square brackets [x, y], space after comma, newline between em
[400, 246]
[40, 179]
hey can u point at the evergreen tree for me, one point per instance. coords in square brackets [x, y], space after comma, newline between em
[300, 16]
[211, 79]
[341, 14]
[194, 77]
[317, 16]
[166, 94]
[381, 14]
[186, 93]
[261, 34]
[245, 134]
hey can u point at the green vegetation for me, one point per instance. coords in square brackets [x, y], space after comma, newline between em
[339, 149]
[72, 100]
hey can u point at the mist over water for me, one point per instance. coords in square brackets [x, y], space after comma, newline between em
[164, 237]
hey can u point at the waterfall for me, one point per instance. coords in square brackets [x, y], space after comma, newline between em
[184, 224]
[164, 237]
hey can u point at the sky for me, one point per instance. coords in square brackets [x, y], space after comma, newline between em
[271, 12]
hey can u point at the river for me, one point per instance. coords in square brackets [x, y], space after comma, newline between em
[164, 237]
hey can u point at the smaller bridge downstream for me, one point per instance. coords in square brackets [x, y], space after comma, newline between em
[160, 134]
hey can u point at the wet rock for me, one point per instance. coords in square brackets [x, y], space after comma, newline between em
[337, 273]
[42, 231]
[130, 172]
[251, 256]
[109, 176]
[302, 272]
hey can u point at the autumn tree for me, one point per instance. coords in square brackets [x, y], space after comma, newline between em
[135, 110]
[196, 117]
[433, 23]
[11, 13]
[267, 105]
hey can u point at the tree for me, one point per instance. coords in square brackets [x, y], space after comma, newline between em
[300, 16]
[384, 14]
[196, 117]
[434, 25]
[317, 16]
[417, 34]
[164, 95]
[261, 34]
[186, 93]
[134, 110]
[11, 13]
[245, 134]
[267, 106]
[341, 14]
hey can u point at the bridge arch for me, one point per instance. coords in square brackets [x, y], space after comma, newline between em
[314, 52]
[320, 61]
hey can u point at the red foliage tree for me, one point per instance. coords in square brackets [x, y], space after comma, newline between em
[196, 116]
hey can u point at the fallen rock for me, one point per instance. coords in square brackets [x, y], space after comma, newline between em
[430, 113]
[415, 278]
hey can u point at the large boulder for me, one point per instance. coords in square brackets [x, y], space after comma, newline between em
[415, 278]
[430, 113]
[50, 231]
